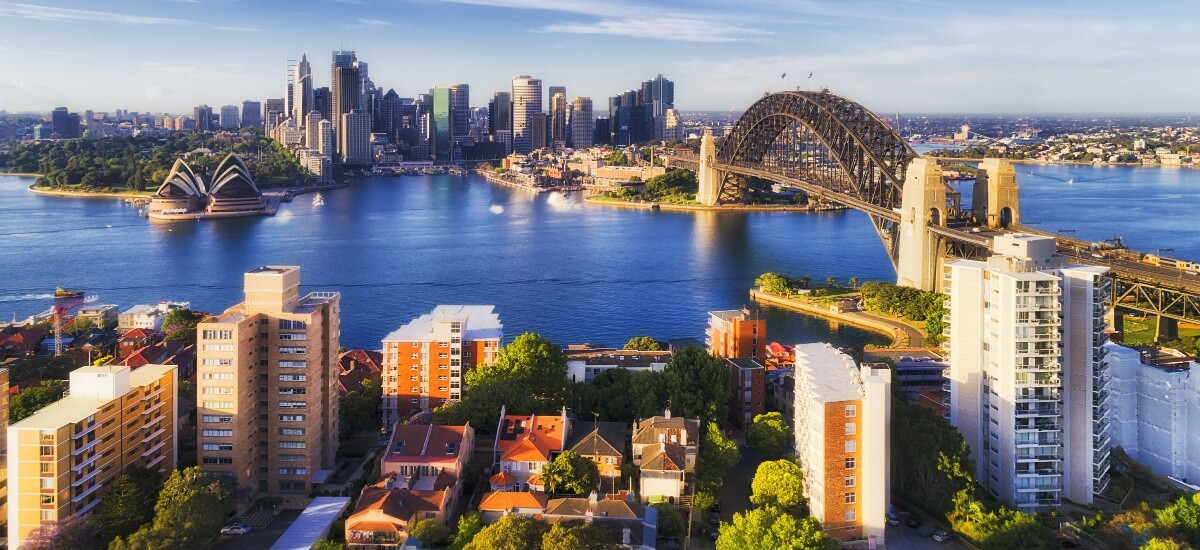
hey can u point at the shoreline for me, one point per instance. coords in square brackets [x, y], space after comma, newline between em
[900, 333]
[89, 194]
[704, 208]
[21, 174]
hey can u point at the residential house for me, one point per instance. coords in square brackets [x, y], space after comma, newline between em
[498, 504]
[424, 457]
[20, 342]
[604, 444]
[168, 352]
[585, 362]
[665, 450]
[357, 366]
[136, 339]
[384, 515]
[634, 525]
[524, 445]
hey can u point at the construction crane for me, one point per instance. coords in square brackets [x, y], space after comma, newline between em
[56, 314]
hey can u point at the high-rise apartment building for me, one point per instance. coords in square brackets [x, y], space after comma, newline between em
[500, 119]
[355, 139]
[424, 361]
[62, 457]
[558, 121]
[252, 114]
[843, 440]
[312, 130]
[325, 138]
[583, 124]
[229, 117]
[1028, 373]
[737, 333]
[302, 91]
[673, 126]
[203, 118]
[267, 387]
[526, 106]
[346, 90]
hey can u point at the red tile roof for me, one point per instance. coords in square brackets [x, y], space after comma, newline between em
[503, 501]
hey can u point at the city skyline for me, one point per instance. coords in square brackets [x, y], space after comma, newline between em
[908, 57]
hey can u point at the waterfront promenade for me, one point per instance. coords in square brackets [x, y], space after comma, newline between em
[902, 334]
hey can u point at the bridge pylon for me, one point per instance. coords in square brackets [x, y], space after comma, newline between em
[995, 199]
[710, 178]
[919, 258]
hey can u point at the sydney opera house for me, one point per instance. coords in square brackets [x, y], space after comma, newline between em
[230, 192]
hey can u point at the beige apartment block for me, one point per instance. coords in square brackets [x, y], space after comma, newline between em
[63, 456]
[266, 388]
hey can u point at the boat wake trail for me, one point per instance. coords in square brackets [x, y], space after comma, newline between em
[23, 297]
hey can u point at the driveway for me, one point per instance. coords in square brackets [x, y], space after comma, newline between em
[734, 494]
[260, 539]
[903, 537]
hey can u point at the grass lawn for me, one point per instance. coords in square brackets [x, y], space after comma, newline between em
[1140, 330]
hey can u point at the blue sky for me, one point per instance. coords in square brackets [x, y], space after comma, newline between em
[899, 55]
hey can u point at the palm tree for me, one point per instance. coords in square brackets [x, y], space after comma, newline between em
[803, 282]
[853, 282]
[830, 282]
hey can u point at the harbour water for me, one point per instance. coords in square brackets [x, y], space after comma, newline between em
[396, 246]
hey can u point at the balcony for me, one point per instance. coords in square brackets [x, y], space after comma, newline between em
[1024, 411]
[1026, 472]
[1043, 456]
[1039, 487]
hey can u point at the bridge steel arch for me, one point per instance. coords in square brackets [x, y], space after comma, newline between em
[873, 158]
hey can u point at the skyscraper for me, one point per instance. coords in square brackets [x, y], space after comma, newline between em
[273, 111]
[658, 95]
[267, 380]
[325, 138]
[346, 90]
[203, 116]
[229, 117]
[252, 114]
[558, 120]
[64, 123]
[555, 90]
[500, 119]
[322, 98]
[460, 113]
[583, 125]
[302, 90]
[312, 129]
[527, 102]
[1028, 373]
[356, 137]
[441, 122]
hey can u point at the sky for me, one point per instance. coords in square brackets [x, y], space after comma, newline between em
[907, 56]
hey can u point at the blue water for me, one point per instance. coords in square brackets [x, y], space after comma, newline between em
[396, 247]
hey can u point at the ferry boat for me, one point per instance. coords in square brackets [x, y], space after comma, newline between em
[61, 292]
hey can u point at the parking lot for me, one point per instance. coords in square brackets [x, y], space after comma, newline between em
[902, 537]
[260, 539]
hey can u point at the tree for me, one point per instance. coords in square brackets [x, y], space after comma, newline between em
[717, 455]
[931, 460]
[123, 506]
[1183, 515]
[773, 283]
[1007, 529]
[511, 532]
[778, 483]
[771, 527]
[575, 537]
[529, 376]
[190, 510]
[616, 158]
[180, 325]
[361, 410]
[572, 473]
[853, 282]
[770, 434]
[76, 532]
[697, 385]
[468, 526]
[30, 400]
[703, 500]
[830, 282]
[431, 532]
[1160, 543]
[803, 282]
[643, 343]
[671, 524]
[326, 544]
[81, 325]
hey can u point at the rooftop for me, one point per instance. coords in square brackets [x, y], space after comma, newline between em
[428, 443]
[830, 374]
[480, 323]
[70, 410]
[276, 269]
[743, 314]
[312, 524]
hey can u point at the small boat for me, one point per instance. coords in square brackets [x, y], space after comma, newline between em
[318, 200]
[61, 292]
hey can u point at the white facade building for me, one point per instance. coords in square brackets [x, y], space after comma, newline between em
[230, 119]
[1156, 413]
[356, 137]
[1028, 374]
[527, 103]
[583, 123]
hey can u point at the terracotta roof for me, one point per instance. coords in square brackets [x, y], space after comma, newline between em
[535, 479]
[503, 501]
[399, 504]
[603, 508]
[646, 431]
[528, 450]
[531, 438]
[501, 479]
[137, 333]
[665, 457]
[600, 439]
[426, 443]
[361, 359]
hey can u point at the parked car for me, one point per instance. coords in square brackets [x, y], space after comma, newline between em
[941, 536]
[926, 529]
[236, 529]
[892, 518]
[913, 522]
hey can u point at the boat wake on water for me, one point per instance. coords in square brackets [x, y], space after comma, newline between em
[23, 297]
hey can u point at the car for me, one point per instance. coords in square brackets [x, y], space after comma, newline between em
[941, 536]
[714, 518]
[236, 529]
[913, 521]
[892, 518]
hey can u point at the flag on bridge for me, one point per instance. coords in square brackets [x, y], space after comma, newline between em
[784, 75]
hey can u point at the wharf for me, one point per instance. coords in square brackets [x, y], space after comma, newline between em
[902, 335]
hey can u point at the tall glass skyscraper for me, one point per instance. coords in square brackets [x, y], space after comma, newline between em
[441, 122]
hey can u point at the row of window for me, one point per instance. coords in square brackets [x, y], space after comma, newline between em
[217, 362]
[217, 334]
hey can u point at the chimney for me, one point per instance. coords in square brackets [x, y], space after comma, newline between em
[667, 412]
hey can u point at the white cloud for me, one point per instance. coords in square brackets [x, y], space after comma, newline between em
[364, 23]
[47, 13]
[678, 29]
[237, 29]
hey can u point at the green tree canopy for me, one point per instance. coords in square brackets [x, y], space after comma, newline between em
[81, 325]
[1183, 515]
[468, 526]
[326, 544]
[770, 434]
[30, 400]
[529, 376]
[189, 513]
[511, 532]
[360, 411]
[773, 283]
[75, 532]
[778, 483]
[671, 524]
[697, 385]
[1163, 543]
[932, 461]
[770, 527]
[576, 537]
[616, 158]
[677, 186]
[571, 473]
[431, 532]
[717, 455]
[643, 343]
[124, 505]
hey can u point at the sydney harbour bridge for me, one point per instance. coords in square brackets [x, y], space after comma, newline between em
[835, 149]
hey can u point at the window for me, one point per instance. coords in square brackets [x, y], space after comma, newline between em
[217, 334]
[48, 515]
[850, 515]
[217, 460]
[47, 450]
[217, 418]
[217, 362]
[217, 433]
[851, 411]
[285, 324]
[850, 463]
[293, 377]
[851, 446]
[291, 431]
[851, 481]
[292, 404]
[292, 444]
[47, 483]
[291, 418]
[217, 376]
[221, 390]
[412, 378]
[293, 350]
[218, 446]
[293, 364]
[216, 347]
[292, 391]
[46, 467]
[850, 497]
[291, 458]
[413, 400]
[294, 337]
[293, 471]
[851, 428]
[217, 404]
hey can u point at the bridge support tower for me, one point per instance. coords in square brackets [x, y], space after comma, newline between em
[710, 178]
[919, 258]
[995, 200]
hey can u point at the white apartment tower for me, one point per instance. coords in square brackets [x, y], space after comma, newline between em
[356, 137]
[527, 104]
[1028, 375]
[583, 124]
